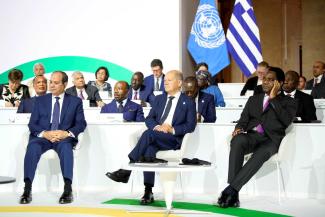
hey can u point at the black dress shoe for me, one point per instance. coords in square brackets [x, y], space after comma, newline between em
[147, 198]
[26, 197]
[66, 197]
[228, 200]
[119, 175]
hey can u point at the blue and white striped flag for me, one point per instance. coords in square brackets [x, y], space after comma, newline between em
[243, 37]
[207, 41]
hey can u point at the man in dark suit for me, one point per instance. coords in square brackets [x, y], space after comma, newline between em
[205, 105]
[155, 83]
[252, 82]
[84, 91]
[171, 117]
[259, 130]
[40, 88]
[306, 111]
[138, 90]
[56, 121]
[280, 77]
[319, 78]
[121, 104]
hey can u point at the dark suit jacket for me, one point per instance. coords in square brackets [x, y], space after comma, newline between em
[150, 86]
[318, 92]
[207, 107]
[250, 84]
[91, 91]
[184, 119]
[143, 94]
[26, 105]
[310, 83]
[258, 90]
[275, 118]
[131, 111]
[305, 106]
[71, 118]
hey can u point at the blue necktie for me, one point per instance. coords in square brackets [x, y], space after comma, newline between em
[120, 107]
[56, 114]
[167, 110]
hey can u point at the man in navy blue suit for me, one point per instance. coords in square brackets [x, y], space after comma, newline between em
[171, 117]
[121, 104]
[205, 105]
[56, 121]
[155, 83]
[40, 88]
[138, 90]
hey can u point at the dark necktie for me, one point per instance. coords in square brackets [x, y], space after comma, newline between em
[120, 107]
[167, 110]
[315, 81]
[136, 95]
[81, 96]
[56, 114]
[157, 85]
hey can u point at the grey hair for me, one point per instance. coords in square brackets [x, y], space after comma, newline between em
[38, 64]
[76, 73]
[178, 74]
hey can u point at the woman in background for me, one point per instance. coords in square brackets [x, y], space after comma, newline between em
[102, 76]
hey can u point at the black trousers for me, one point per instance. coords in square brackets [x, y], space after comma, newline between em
[262, 148]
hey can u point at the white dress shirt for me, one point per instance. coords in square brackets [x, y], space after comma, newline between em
[84, 93]
[170, 116]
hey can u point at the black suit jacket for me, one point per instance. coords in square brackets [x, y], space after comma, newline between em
[318, 92]
[310, 83]
[250, 84]
[92, 92]
[258, 90]
[305, 107]
[275, 118]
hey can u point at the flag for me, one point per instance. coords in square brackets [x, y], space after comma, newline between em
[207, 41]
[243, 37]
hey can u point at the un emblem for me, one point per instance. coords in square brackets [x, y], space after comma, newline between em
[207, 28]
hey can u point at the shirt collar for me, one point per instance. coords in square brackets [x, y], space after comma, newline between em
[292, 94]
[61, 96]
[177, 95]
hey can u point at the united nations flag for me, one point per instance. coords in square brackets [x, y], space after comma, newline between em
[207, 42]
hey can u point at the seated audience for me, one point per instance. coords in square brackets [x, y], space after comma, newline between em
[101, 83]
[40, 88]
[155, 83]
[280, 75]
[171, 117]
[306, 111]
[318, 72]
[252, 82]
[56, 121]
[138, 90]
[259, 130]
[302, 83]
[83, 91]
[204, 79]
[14, 91]
[121, 104]
[38, 70]
[205, 106]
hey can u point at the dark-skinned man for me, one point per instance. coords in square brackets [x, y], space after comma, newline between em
[259, 130]
[138, 90]
[205, 106]
[121, 104]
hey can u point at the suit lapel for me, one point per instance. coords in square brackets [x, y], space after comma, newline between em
[65, 106]
[162, 108]
[178, 107]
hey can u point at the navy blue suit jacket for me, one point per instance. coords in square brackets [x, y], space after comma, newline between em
[143, 94]
[184, 119]
[26, 105]
[207, 107]
[150, 86]
[131, 111]
[71, 118]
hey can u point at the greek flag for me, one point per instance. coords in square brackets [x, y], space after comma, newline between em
[207, 41]
[243, 37]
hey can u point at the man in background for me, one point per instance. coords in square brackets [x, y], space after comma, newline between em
[138, 91]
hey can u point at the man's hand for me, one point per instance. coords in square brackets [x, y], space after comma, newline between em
[55, 135]
[275, 89]
[165, 128]
[237, 131]
[143, 103]
[100, 104]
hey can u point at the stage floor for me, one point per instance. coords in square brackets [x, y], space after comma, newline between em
[106, 204]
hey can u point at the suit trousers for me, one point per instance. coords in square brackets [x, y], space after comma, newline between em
[148, 145]
[262, 148]
[38, 146]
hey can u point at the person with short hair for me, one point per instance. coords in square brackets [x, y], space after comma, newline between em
[84, 91]
[172, 116]
[13, 92]
[102, 75]
[55, 123]
[121, 104]
[204, 102]
[40, 87]
[201, 67]
[138, 91]
[279, 74]
[302, 83]
[38, 70]
[155, 82]
[318, 73]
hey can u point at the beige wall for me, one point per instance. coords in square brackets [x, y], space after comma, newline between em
[313, 34]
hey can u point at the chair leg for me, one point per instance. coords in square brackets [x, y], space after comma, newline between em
[132, 181]
[279, 185]
[76, 180]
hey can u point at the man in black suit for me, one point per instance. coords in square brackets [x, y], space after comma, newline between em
[280, 77]
[306, 111]
[252, 82]
[259, 130]
[319, 78]
[84, 91]
[205, 105]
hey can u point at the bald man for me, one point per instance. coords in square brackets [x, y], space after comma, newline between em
[318, 73]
